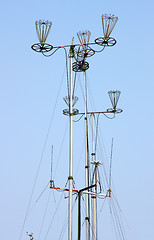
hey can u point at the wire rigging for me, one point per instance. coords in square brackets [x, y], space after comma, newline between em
[42, 192]
[110, 164]
[60, 150]
[96, 133]
[74, 85]
[118, 222]
[78, 118]
[65, 223]
[42, 154]
[108, 116]
[66, 58]
[51, 53]
[44, 215]
[53, 217]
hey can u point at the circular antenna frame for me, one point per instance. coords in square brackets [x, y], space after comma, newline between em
[39, 47]
[80, 67]
[89, 52]
[112, 110]
[66, 112]
[102, 41]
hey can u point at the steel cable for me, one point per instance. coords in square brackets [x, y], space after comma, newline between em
[42, 154]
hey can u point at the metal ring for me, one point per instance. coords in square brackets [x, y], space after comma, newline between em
[117, 110]
[80, 67]
[102, 41]
[87, 52]
[67, 112]
[42, 47]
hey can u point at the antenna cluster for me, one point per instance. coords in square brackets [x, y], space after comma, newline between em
[108, 23]
[80, 52]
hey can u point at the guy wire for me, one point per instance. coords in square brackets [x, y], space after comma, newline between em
[42, 154]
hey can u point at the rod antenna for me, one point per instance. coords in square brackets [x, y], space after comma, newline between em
[51, 181]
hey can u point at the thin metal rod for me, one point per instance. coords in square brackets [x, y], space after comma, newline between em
[70, 178]
[113, 111]
[79, 216]
[94, 180]
[95, 194]
[51, 160]
[86, 163]
[76, 45]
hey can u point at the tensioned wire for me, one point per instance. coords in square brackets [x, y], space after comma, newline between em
[44, 215]
[65, 222]
[42, 154]
[107, 181]
[63, 229]
[97, 140]
[55, 171]
[117, 223]
[38, 199]
[53, 217]
[92, 103]
[96, 125]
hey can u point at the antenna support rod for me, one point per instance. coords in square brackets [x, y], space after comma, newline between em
[70, 178]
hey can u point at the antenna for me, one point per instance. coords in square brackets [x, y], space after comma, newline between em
[114, 97]
[108, 23]
[67, 101]
[51, 181]
[86, 51]
[42, 30]
[79, 52]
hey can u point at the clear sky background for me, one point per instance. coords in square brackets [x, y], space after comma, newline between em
[29, 85]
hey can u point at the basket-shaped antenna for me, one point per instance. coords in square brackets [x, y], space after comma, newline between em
[108, 23]
[67, 100]
[114, 97]
[42, 29]
[84, 37]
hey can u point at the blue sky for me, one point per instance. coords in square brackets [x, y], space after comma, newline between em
[29, 87]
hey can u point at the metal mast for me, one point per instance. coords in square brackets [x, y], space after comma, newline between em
[70, 178]
[85, 52]
[86, 163]
[79, 52]
[94, 181]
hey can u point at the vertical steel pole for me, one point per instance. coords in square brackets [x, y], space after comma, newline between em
[86, 163]
[94, 180]
[79, 216]
[70, 178]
